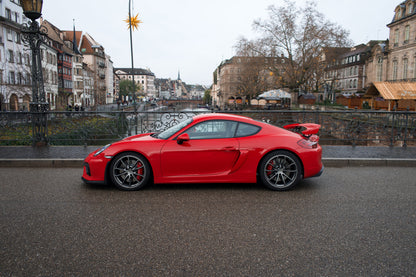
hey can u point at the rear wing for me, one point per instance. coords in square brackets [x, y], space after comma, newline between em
[307, 129]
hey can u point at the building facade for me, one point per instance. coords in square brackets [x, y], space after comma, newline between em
[87, 97]
[49, 57]
[76, 70]
[346, 70]
[95, 58]
[401, 62]
[238, 79]
[64, 65]
[142, 77]
[15, 70]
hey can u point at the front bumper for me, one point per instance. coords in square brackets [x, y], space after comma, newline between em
[88, 182]
[95, 169]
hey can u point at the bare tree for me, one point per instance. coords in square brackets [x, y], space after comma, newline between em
[255, 76]
[296, 35]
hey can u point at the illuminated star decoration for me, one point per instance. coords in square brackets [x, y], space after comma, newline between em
[135, 21]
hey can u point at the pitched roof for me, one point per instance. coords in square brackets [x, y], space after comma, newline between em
[55, 34]
[393, 91]
[137, 71]
[85, 42]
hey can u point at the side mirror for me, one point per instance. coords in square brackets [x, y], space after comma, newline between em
[182, 138]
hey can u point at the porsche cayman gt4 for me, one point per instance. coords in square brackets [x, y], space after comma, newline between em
[210, 148]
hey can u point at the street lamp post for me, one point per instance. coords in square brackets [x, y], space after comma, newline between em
[34, 36]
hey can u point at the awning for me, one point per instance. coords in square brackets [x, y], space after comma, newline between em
[392, 91]
[276, 94]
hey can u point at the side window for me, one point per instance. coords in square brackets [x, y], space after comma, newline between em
[245, 130]
[213, 129]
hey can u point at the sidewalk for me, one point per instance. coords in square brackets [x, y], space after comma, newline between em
[333, 156]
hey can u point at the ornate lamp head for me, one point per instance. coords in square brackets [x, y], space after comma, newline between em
[32, 8]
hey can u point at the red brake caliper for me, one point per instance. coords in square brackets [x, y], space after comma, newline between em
[269, 169]
[140, 171]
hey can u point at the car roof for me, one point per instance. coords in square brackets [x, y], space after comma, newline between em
[223, 116]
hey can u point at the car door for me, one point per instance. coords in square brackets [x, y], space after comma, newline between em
[210, 150]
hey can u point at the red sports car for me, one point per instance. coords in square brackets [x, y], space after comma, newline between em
[210, 148]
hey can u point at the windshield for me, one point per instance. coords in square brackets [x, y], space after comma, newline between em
[172, 130]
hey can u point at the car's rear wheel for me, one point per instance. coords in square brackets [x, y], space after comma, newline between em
[280, 170]
[130, 171]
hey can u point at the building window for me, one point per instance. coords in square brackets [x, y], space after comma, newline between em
[396, 37]
[405, 66]
[17, 38]
[8, 14]
[28, 79]
[406, 34]
[9, 35]
[414, 68]
[19, 78]
[12, 79]
[16, 17]
[11, 56]
[379, 70]
[395, 64]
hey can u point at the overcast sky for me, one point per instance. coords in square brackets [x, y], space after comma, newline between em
[194, 36]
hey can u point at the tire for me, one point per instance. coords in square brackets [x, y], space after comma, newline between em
[280, 170]
[130, 171]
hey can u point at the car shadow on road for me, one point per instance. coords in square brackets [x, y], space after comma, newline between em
[305, 185]
[205, 186]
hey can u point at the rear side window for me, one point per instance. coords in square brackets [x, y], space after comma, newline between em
[245, 130]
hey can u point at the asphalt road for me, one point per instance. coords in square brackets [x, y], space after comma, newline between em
[358, 221]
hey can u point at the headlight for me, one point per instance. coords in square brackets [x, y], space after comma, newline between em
[101, 150]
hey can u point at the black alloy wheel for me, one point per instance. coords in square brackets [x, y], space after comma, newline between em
[130, 171]
[280, 170]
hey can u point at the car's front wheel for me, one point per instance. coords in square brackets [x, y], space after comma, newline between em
[280, 170]
[129, 171]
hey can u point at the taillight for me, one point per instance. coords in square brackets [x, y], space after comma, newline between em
[314, 138]
[310, 142]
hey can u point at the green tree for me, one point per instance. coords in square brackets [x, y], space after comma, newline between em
[207, 97]
[126, 87]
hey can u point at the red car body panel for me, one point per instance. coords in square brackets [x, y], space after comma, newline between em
[224, 160]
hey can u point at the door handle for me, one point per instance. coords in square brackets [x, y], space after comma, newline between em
[228, 148]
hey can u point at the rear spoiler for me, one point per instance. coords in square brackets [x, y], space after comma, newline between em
[307, 129]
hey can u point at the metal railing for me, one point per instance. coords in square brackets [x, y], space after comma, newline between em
[96, 128]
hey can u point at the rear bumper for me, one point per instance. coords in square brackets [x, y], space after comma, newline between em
[320, 172]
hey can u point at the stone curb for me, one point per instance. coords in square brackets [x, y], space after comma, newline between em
[354, 162]
[41, 162]
[328, 162]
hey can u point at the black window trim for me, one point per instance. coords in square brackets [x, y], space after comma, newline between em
[235, 131]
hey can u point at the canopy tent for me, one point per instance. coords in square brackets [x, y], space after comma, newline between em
[276, 98]
[276, 94]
